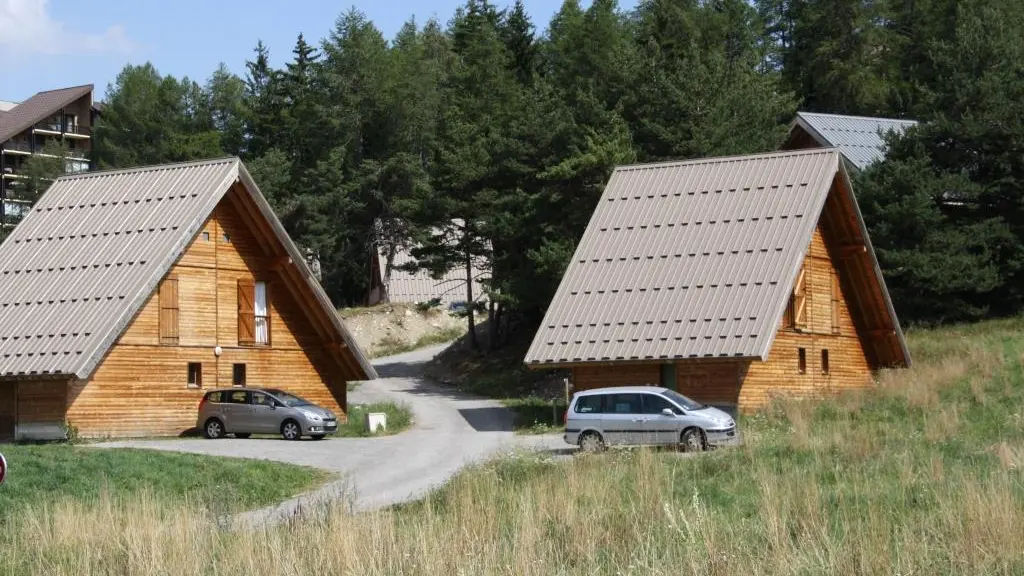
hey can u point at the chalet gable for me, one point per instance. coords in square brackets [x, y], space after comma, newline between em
[698, 259]
[95, 247]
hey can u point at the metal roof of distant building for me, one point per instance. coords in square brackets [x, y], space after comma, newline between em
[93, 249]
[858, 138]
[37, 108]
[420, 287]
[688, 260]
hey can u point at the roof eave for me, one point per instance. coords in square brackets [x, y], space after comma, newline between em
[299, 261]
[877, 270]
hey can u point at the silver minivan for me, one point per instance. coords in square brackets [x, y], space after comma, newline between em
[645, 415]
[247, 411]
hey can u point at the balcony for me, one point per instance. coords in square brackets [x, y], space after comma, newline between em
[17, 147]
[56, 129]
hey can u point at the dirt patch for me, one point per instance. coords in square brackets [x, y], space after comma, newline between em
[393, 328]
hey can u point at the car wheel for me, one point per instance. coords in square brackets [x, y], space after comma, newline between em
[291, 430]
[242, 436]
[591, 442]
[692, 440]
[213, 429]
[318, 436]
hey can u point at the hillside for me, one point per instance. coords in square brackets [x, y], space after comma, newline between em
[394, 328]
[922, 475]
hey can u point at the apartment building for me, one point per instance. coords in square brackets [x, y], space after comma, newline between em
[64, 115]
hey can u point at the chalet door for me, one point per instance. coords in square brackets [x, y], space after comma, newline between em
[8, 410]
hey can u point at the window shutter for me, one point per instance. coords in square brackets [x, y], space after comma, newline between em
[169, 311]
[800, 301]
[246, 313]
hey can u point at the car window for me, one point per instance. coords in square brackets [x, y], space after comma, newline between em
[593, 404]
[216, 397]
[683, 401]
[261, 399]
[623, 404]
[655, 404]
[238, 397]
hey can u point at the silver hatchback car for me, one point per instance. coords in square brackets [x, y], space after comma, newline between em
[247, 411]
[645, 415]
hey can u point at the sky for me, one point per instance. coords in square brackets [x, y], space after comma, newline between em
[47, 44]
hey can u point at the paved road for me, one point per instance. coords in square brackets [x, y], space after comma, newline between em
[450, 430]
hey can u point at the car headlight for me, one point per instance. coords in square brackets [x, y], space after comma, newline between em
[312, 416]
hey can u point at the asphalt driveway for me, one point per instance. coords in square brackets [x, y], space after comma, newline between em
[449, 430]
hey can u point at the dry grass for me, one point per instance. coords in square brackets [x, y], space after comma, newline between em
[923, 478]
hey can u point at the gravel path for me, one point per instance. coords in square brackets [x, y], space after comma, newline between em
[449, 431]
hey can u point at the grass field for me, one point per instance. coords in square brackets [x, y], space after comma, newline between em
[399, 418]
[922, 475]
[41, 475]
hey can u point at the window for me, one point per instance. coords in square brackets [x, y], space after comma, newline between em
[802, 367]
[824, 361]
[238, 397]
[169, 311]
[261, 399]
[253, 314]
[835, 302]
[800, 301]
[206, 236]
[590, 404]
[227, 238]
[262, 315]
[195, 375]
[215, 397]
[653, 404]
[622, 404]
[668, 376]
[238, 374]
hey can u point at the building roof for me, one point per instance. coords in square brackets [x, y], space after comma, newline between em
[94, 248]
[690, 260]
[860, 139]
[405, 286]
[38, 108]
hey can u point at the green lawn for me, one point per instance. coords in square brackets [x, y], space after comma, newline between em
[399, 418]
[44, 474]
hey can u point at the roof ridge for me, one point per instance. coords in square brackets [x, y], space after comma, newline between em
[148, 168]
[876, 118]
[90, 86]
[720, 159]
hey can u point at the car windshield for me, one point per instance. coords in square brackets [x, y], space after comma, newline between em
[683, 401]
[289, 399]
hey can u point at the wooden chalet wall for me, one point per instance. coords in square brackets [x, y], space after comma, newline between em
[752, 384]
[141, 387]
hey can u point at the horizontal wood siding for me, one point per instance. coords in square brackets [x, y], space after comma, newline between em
[712, 381]
[141, 387]
[779, 375]
[41, 401]
[587, 377]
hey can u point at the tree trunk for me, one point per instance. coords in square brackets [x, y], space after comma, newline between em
[492, 326]
[470, 319]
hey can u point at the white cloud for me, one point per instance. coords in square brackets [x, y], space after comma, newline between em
[26, 27]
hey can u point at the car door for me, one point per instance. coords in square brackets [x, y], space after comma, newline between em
[237, 416]
[264, 414]
[660, 428]
[622, 419]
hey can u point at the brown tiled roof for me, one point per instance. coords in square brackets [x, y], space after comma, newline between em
[688, 260]
[37, 108]
[93, 249]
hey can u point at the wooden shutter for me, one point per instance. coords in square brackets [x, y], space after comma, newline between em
[246, 313]
[169, 311]
[800, 301]
[835, 302]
